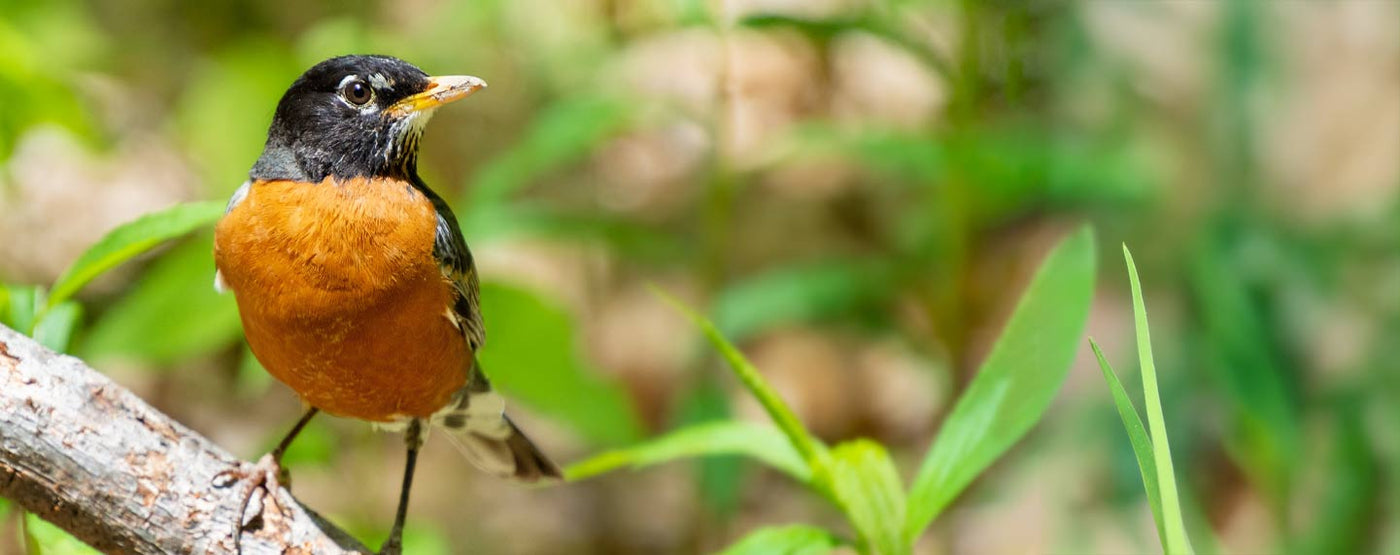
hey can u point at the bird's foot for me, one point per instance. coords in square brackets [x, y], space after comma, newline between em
[266, 475]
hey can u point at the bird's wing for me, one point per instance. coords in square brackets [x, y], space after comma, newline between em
[455, 259]
[476, 421]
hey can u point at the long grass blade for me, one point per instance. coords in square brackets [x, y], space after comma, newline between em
[1137, 435]
[1175, 539]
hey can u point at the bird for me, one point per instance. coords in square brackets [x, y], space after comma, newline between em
[352, 278]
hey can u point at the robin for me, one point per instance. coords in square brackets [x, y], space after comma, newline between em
[354, 283]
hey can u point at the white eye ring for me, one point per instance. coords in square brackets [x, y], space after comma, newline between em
[356, 91]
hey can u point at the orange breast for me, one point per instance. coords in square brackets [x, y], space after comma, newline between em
[341, 298]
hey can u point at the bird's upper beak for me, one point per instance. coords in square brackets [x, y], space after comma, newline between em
[441, 90]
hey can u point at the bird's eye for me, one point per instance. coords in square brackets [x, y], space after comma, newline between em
[357, 92]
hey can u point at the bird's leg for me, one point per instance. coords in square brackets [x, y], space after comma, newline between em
[266, 474]
[414, 438]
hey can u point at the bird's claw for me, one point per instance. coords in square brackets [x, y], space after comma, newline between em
[266, 475]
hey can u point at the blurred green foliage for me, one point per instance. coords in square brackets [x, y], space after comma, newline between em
[558, 383]
[1039, 122]
[36, 38]
[171, 314]
[1011, 392]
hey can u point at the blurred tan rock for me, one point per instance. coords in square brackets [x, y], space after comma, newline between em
[983, 527]
[558, 269]
[57, 197]
[812, 371]
[771, 80]
[511, 519]
[651, 174]
[653, 510]
[637, 337]
[1338, 338]
[1168, 46]
[1327, 105]
[752, 84]
[1248, 525]
[876, 82]
[635, 328]
[812, 178]
[680, 68]
[1332, 130]
[900, 390]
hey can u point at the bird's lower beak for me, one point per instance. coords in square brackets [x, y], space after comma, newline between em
[441, 90]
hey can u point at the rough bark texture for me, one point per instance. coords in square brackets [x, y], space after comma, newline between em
[89, 456]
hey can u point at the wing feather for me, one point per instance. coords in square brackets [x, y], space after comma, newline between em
[455, 260]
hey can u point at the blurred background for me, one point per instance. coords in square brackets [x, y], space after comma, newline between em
[855, 191]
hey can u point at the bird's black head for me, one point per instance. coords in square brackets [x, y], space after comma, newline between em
[355, 116]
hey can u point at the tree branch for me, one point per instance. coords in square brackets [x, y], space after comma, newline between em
[89, 456]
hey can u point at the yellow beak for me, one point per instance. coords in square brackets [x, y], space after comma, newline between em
[441, 90]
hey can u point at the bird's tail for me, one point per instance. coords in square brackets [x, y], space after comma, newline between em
[477, 424]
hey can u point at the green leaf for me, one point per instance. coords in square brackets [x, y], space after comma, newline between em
[793, 539]
[811, 450]
[5, 305]
[48, 538]
[730, 437]
[1016, 383]
[532, 355]
[1137, 435]
[131, 239]
[55, 331]
[867, 486]
[172, 313]
[799, 293]
[22, 306]
[1175, 540]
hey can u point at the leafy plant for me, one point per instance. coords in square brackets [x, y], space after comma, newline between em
[1010, 393]
[1152, 452]
[795, 539]
[170, 314]
[50, 315]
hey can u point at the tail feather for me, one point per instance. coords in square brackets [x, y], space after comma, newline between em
[479, 427]
[514, 456]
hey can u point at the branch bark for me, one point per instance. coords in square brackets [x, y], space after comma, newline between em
[82, 452]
